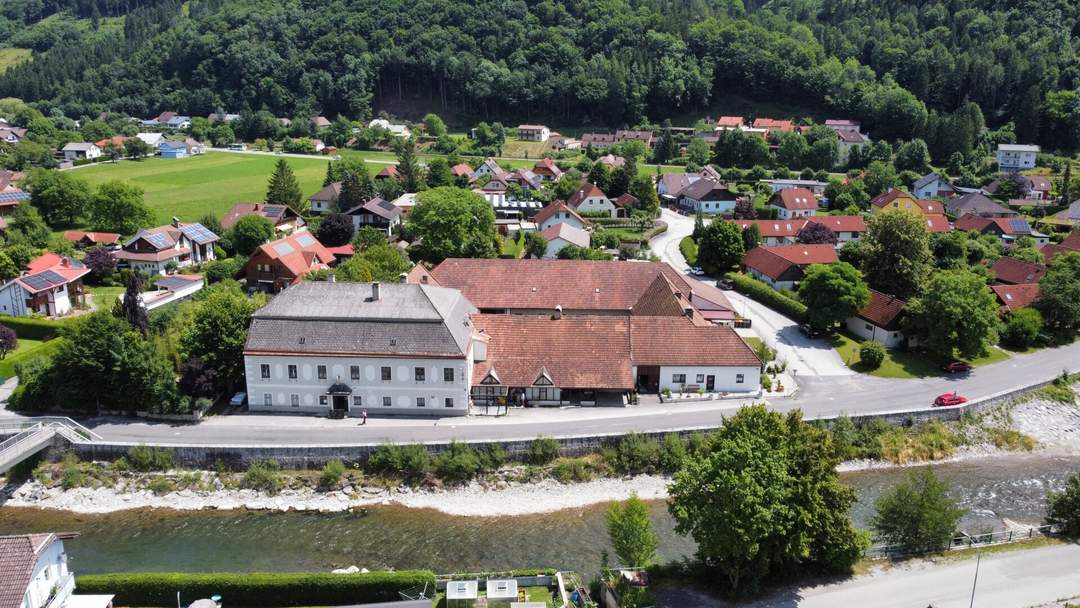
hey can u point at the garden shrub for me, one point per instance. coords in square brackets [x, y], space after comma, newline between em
[332, 473]
[871, 354]
[148, 458]
[542, 450]
[674, 452]
[768, 296]
[410, 462]
[264, 475]
[458, 463]
[635, 453]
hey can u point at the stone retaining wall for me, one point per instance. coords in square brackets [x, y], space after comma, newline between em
[315, 456]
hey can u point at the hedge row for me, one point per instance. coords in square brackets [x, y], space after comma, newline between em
[7, 365]
[31, 327]
[659, 228]
[255, 589]
[768, 296]
[501, 574]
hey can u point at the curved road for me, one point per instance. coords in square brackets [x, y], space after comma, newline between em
[822, 392]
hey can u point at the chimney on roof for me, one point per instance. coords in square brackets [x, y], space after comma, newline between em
[375, 291]
[688, 310]
[176, 222]
[558, 312]
[403, 277]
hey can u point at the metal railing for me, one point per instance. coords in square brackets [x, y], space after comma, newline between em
[32, 433]
[70, 425]
[970, 541]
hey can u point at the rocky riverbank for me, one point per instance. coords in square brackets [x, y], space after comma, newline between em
[517, 490]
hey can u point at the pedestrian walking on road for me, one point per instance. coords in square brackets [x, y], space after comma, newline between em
[363, 417]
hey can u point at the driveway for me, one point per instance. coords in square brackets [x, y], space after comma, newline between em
[1025, 578]
[805, 356]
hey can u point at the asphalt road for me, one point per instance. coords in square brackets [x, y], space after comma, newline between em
[1018, 579]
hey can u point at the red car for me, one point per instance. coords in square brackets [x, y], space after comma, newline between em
[956, 367]
[949, 399]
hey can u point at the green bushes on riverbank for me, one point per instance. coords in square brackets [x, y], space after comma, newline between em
[256, 588]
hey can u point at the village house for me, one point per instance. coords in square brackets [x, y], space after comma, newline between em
[116, 141]
[151, 139]
[524, 179]
[879, 320]
[10, 198]
[1007, 228]
[533, 133]
[284, 218]
[625, 204]
[284, 262]
[773, 125]
[785, 232]
[781, 267]
[376, 213]
[84, 240]
[611, 161]
[645, 137]
[12, 135]
[173, 246]
[931, 185]
[397, 130]
[814, 186]
[1070, 215]
[322, 122]
[598, 141]
[848, 138]
[395, 349]
[173, 149]
[730, 122]
[1070, 244]
[547, 170]
[894, 199]
[707, 196]
[34, 574]
[791, 203]
[558, 213]
[1016, 157]
[561, 235]
[325, 200]
[405, 202]
[52, 286]
[388, 172]
[488, 168]
[74, 151]
[461, 170]
[589, 199]
[1013, 271]
[1012, 298]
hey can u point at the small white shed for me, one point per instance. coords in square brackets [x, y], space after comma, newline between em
[501, 591]
[460, 594]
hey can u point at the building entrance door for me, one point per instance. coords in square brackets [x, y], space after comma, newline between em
[710, 383]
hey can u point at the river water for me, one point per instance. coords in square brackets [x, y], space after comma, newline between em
[1012, 487]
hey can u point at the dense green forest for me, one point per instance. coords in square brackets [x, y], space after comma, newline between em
[904, 68]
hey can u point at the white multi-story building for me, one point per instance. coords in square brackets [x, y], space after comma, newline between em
[400, 349]
[1016, 157]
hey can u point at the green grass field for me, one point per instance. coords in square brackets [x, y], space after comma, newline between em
[902, 363]
[189, 188]
[11, 56]
[26, 349]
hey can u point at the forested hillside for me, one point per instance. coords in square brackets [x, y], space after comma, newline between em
[904, 68]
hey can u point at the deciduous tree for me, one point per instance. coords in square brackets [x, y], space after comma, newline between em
[917, 515]
[832, 293]
[335, 229]
[720, 247]
[631, 534]
[957, 315]
[896, 253]
[249, 232]
[118, 206]
[1059, 296]
[453, 222]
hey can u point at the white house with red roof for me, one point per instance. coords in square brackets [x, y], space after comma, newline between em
[178, 245]
[793, 203]
[34, 574]
[590, 199]
[284, 262]
[562, 234]
[879, 320]
[547, 170]
[782, 267]
[558, 213]
[52, 286]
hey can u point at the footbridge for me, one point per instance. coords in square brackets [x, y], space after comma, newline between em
[29, 436]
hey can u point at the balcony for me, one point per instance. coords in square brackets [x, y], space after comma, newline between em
[65, 585]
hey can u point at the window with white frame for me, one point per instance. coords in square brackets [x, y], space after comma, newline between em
[418, 374]
[448, 374]
[387, 401]
[264, 370]
[700, 378]
[322, 372]
[354, 372]
[386, 374]
[292, 372]
[324, 400]
[678, 378]
[420, 402]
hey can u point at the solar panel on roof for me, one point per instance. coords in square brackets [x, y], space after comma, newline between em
[11, 197]
[198, 233]
[273, 210]
[283, 248]
[36, 282]
[1019, 225]
[387, 205]
[157, 240]
[305, 240]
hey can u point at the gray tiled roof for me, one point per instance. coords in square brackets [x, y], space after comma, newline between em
[342, 318]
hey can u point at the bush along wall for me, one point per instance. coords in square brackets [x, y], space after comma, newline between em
[32, 328]
[768, 296]
[255, 588]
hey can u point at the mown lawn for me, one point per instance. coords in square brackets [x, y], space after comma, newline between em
[189, 188]
[26, 349]
[105, 296]
[902, 363]
[688, 248]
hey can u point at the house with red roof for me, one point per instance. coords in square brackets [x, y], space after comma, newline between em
[1071, 244]
[284, 262]
[52, 286]
[730, 122]
[1014, 297]
[175, 245]
[1008, 229]
[388, 172]
[84, 239]
[773, 125]
[1015, 271]
[782, 267]
[791, 203]
[283, 217]
[461, 170]
[785, 232]
[590, 199]
[557, 213]
[879, 320]
[34, 574]
[547, 170]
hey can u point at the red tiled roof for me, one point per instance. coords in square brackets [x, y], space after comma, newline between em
[938, 223]
[625, 200]
[460, 169]
[773, 124]
[44, 261]
[794, 199]
[677, 341]
[840, 223]
[930, 207]
[576, 351]
[388, 171]
[776, 260]
[730, 121]
[1015, 297]
[1072, 241]
[1011, 270]
[544, 284]
[547, 212]
[882, 310]
[18, 556]
[1005, 225]
[341, 251]
[297, 257]
[100, 238]
[586, 190]
[774, 228]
